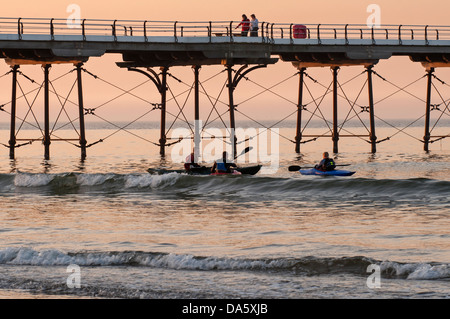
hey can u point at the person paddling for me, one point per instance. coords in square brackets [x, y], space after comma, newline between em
[190, 162]
[326, 164]
[222, 165]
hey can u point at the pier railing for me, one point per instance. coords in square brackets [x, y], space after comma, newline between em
[268, 32]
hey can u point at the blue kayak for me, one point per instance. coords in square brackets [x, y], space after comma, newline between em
[336, 172]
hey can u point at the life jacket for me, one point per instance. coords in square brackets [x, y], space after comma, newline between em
[329, 164]
[221, 167]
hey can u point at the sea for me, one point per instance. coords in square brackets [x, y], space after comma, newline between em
[105, 228]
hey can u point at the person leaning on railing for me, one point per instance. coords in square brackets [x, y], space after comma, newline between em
[245, 23]
[254, 27]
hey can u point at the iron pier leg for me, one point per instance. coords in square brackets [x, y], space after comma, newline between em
[298, 136]
[231, 106]
[373, 137]
[335, 134]
[81, 113]
[426, 138]
[163, 91]
[12, 138]
[46, 112]
[196, 113]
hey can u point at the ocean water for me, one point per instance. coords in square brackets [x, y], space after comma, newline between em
[105, 228]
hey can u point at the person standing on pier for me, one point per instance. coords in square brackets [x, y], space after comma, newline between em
[245, 23]
[254, 27]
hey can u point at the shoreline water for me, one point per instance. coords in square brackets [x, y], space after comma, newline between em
[281, 235]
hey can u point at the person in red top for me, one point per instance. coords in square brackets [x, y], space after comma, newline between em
[245, 23]
[190, 162]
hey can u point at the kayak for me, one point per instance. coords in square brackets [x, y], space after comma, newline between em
[336, 172]
[249, 170]
[221, 173]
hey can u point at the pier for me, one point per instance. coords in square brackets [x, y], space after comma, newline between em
[146, 46]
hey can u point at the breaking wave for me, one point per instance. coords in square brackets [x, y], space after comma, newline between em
[259, 184]
[309, 266]
[251, 187]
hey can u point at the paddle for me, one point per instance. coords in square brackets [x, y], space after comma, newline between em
[246, 150]
[295, 168]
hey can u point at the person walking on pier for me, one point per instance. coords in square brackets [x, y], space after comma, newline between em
[326, 164]
[245, 23]
[254, 27]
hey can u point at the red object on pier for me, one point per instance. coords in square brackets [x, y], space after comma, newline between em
[299, 31]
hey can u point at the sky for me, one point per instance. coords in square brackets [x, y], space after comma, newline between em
[399, 70]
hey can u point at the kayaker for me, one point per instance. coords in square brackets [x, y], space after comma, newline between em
[222, 165]
[326, 164]
[190, 162]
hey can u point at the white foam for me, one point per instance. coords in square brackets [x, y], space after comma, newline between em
[190, 262]
[421, 271]
[93, 179]
[32, 180]
[153, 181]
[53, 257]
[429, 272]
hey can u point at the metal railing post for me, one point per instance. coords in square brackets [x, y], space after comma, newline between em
[210, 31]
[145, 31]
[290, 33]
[83, 30]
[346, 34]
[262, 32]
[231, 31]
[19, 28]
[318, 34]
[52, 31]
[114, 30]
[175, 31]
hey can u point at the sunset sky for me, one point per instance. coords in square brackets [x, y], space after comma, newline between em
[399, 70]
[327, 11]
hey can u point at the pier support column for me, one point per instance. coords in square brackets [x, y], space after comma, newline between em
[231, 86]
[335, 135]
[373, 137]
[83, 141]
[12, 137]
[163, 91]
[298, 136]
[426, 138]
[197, 127]
[161, 84]
[46, 140]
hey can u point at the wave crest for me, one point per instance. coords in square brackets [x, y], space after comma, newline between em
[309, 266]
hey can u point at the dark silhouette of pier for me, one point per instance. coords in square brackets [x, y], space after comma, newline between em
[144, 45]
